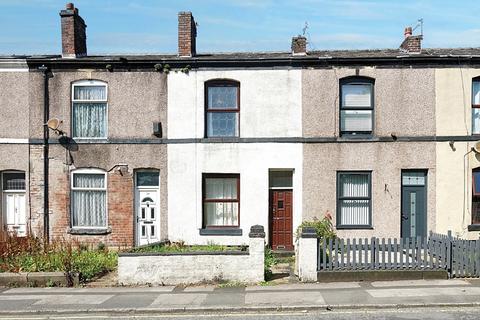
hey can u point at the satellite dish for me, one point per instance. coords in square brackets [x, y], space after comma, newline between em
[53, 123]
[476, 147]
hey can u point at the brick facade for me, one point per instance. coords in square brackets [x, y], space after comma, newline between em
[74, 38]
[187, 33]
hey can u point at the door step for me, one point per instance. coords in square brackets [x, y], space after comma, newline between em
[283, 253]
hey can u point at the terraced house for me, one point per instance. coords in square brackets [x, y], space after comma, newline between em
[134, 149]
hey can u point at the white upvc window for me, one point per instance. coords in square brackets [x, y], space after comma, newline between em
[89, 109]
[476, 106]
[89, 198]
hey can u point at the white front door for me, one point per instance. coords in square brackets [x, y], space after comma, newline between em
[15, 213]
[14, 203]
[147, 207]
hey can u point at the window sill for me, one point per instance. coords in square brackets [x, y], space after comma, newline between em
[347, 136]
[474, 227]
[354, 227]
[221, 232]
[89, 231]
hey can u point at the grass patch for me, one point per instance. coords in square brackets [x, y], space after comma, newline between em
[30, 254]
[270, 260]
[181, 247]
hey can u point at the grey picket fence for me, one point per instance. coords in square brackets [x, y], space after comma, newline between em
[460, 257]
[465, 255]
[382, 254]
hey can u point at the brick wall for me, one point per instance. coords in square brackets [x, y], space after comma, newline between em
[74, 38]
[187, 33]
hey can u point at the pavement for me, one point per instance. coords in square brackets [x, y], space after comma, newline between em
[339, 296]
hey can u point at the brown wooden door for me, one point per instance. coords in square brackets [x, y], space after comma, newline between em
[281, 235]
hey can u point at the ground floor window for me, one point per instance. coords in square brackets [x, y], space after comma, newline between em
[354, 199]
[221, 200]
[476, 196]
[89, 199]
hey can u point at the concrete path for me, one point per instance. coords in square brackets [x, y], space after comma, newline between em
[316, 296]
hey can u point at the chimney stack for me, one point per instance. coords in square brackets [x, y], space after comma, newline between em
[411, 43]
[187, 34]
[74, 38]
[299, 46]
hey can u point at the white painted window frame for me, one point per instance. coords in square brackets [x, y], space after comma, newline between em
[87, 83]
[73, 189]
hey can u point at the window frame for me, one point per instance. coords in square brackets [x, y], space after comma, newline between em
[73, 189]
[206, 176]
[369, 198]
[88, 83]
[221, 83]
[2, 177]
[360, 81]
[474, 106]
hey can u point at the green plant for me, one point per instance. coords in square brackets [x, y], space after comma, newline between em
[30, 254]
[324, 227]
[270, 260]
[180, 246]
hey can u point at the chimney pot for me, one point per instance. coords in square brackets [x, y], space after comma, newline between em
[187, 34]
[299, 45]
[408, 32]
[411, 43]
[74, 38]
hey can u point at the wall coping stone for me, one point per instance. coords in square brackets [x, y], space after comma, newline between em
[187, 253]
[309, 232]
[257, 231]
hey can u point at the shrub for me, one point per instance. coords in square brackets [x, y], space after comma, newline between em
[270, 260]
[31, 254]
[324, 227]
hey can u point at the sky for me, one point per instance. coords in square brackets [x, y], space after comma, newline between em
[150, 26]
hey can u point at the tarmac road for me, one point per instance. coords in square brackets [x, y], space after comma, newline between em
[450, 313]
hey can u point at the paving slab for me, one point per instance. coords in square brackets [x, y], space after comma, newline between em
[199, 289]
[83, 299]
[411, 283]
[306, 286]
[423, 292]
[55, 290]
[180, 299]
[284, 298]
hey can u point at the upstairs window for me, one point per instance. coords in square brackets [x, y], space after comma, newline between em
[89, 109]
[222, 107]
[476, 106]
[356, 106]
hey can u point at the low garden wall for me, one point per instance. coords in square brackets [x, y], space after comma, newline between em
[194, 267]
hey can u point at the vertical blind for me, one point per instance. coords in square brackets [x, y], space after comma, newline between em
[354, 208]
[89, 114]
[89, 200]
[219, 213]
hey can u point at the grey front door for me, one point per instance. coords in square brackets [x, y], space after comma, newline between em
[414, 203]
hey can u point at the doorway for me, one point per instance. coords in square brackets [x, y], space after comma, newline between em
[414, 203]
[147, 207]
[14, 202]
[281, 210]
